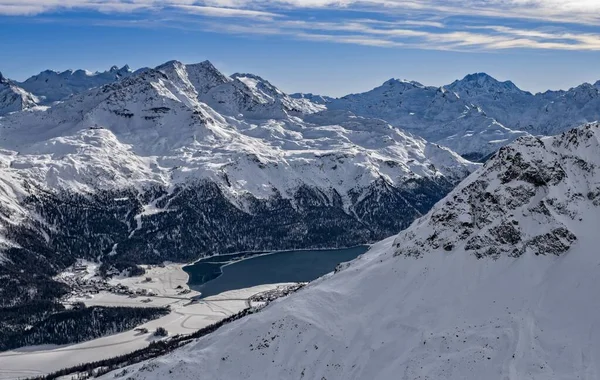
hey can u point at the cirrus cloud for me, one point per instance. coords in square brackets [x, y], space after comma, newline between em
[432, 24]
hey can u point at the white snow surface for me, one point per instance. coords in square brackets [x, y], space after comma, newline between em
[412, 309]
[162, 127]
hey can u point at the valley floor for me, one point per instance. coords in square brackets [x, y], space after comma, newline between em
[166, 283]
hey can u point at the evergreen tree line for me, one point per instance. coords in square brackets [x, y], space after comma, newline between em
[71, 326]
[153, 350]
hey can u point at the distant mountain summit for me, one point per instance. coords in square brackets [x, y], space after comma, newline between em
[434, 113]
[540, 114]
[482, 83]
[14, 98]
[51, 86]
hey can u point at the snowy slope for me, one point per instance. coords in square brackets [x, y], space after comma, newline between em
[496, 282]
[317, 99]
[13, 98]
[546, 113]
[51, 86]
[436, 114]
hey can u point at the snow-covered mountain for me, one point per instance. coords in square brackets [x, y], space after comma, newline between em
[51, 86]
[244, 96]
[434, 113]
[110, 174]
[473, 116]
[546, 113]
[317, 99]
[498, 281]
[13, 98]
[503, 101]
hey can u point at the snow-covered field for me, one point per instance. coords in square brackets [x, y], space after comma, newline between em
[185, 318]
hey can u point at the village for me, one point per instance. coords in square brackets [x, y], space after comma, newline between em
[84, 280]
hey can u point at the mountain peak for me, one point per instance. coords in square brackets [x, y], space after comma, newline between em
[479, 76]
[116, 70]
[171, 64]
[207, 63]
[207, 67]
[586, 86]
[252, 81]
[483, 83]
[51, 86]
[248, 75]
[204, 76]
[403, 82]
[2, 79]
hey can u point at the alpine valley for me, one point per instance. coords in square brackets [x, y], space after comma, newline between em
[181, 161]
[178, 162]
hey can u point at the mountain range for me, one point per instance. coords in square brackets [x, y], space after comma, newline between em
[489, 274]
[110, 173]
[473, 116]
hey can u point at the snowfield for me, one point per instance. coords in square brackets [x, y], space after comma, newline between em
[446, 298]
[185, 318]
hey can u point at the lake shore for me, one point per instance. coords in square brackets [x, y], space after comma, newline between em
[167, 282]
[264, 253]
[215, 275]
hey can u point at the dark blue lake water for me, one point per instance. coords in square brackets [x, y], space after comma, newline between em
[218, 274]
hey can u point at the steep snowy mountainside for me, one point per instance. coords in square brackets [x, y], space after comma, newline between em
[494, 283]
[545, 113]
[530, 198]
[317, 99]
[500, 100]
[51, 86]
[436, 114]
[578, 105]
[244, 96]
[13, 98]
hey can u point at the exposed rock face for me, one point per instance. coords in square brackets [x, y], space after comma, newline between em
[524, 199]
[13, 98]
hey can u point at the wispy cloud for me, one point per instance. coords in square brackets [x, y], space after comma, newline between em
[226, 12]
[432, 24]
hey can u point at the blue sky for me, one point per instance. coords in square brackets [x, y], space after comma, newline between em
[332, 47]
